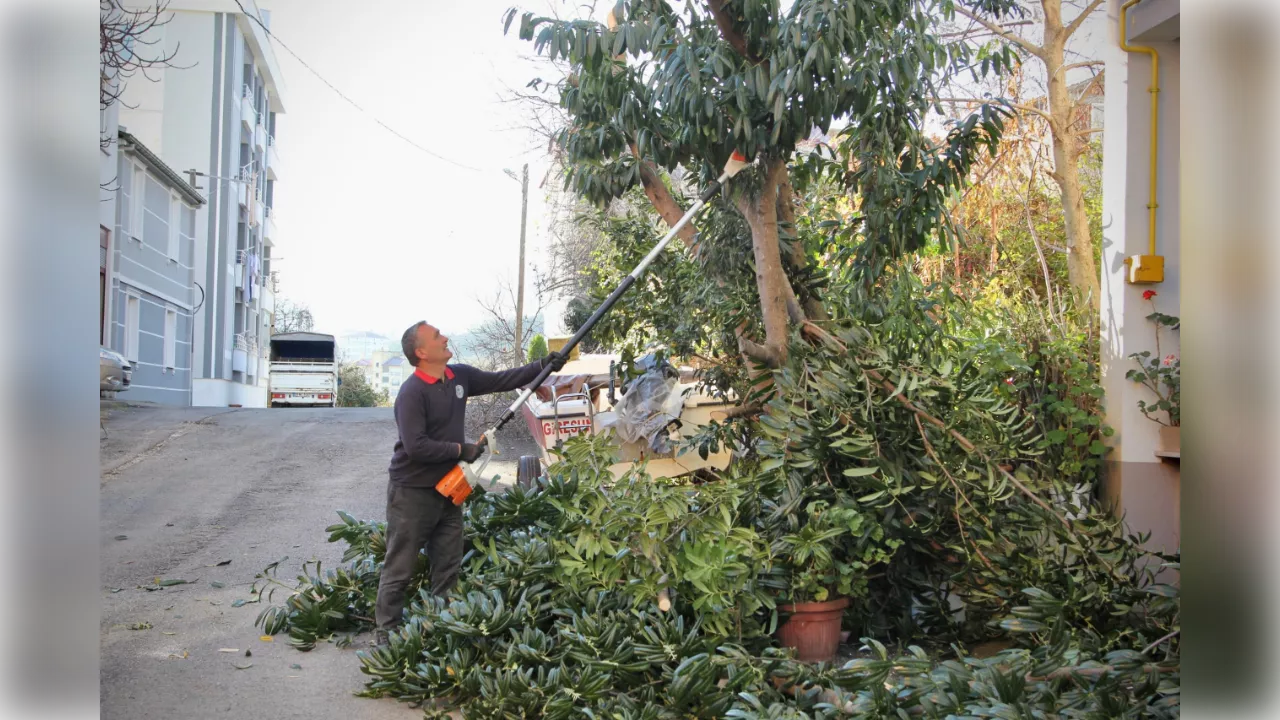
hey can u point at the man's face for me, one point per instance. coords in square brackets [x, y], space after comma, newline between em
[433, 347]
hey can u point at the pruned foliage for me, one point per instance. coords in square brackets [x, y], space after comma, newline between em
[556, 611]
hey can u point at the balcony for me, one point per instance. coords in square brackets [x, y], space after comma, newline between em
[242, 185]
[273, 158]
[248, 116]
[259, 211]
[260, 137]
[269, 228]
[268, 302]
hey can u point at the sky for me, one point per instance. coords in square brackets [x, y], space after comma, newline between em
[374, 233]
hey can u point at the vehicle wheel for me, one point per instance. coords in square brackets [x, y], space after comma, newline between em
[528, 470]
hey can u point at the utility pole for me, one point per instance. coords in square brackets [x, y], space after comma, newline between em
[524, 212]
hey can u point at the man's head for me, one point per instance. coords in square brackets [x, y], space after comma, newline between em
[423, 343]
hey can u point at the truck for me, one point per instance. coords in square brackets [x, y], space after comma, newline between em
[304, 370]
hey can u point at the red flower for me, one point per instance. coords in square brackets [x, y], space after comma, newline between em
[1148, 294]
[1008, 381]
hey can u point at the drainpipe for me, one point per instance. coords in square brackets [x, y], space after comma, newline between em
[1149, 268]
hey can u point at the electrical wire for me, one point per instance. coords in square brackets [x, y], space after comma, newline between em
[342, 95]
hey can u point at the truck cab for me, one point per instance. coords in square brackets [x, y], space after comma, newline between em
[304, 370]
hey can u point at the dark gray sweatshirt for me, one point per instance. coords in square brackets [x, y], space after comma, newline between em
[430, 414]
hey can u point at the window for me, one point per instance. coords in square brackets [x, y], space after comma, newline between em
[170, 339]
[175, 224]
[131, 328]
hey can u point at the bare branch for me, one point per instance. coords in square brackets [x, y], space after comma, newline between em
[125, 49]
[998, 29]
[1089, 63]
[1084, 15]
[1024, 108]
[972, 32]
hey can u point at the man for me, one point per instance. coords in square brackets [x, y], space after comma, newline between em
[430, 410]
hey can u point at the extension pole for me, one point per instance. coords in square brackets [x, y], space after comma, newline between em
[524, 214]
[736, 163]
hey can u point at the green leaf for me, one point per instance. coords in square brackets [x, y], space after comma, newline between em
[861, 471]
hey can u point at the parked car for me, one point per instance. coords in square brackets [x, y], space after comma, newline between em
[114, 371]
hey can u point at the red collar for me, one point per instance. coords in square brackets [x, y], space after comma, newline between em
[432, 380]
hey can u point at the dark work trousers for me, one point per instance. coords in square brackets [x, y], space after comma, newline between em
[417, 518]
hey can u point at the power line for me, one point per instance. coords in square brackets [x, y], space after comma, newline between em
[342, 95]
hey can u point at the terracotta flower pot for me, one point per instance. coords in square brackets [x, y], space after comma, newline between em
[813, 628]
[1170, 439]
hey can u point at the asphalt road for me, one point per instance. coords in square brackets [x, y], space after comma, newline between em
[188, 489]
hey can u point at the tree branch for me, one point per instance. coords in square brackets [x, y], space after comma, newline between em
[748, 410]
[727, 29]
[1090, 63]
[1002, 32]
[755, 351]
[661, 198]
[964, 442]
[1024, 108]
[1084, 15]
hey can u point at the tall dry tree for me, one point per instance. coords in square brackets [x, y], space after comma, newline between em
[1068, 127]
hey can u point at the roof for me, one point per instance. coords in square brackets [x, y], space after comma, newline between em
[363, 363]
[153, 161]
[394, 361]
[303, 337]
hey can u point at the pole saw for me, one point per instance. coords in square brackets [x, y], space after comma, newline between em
[463, 477]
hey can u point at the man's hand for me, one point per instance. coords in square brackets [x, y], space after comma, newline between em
[470, 453]
[555, 360]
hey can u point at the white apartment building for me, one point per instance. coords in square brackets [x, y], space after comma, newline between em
[214, 112]
[361, 345]
[385, 370]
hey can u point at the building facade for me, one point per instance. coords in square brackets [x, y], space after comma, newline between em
[1143, 480]
[356, 346]
[212, 117]
[149, 277]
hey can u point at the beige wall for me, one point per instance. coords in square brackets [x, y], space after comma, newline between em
[1145, 488]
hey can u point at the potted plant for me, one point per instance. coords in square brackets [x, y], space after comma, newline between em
[825, 564]
[1161, 374]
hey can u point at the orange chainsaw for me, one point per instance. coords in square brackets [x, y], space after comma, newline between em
[458, 483]
[463, 477]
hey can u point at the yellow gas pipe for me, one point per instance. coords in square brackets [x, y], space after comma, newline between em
[1146, 268]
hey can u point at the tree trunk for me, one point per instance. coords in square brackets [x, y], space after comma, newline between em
[1082, 271]
[813, 308]
[761, 213]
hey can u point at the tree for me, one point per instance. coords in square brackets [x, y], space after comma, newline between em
[292, 317]
[355, 390]
[127, 46]
[494, 343]
[538, 348]
[657, 89]
[1068, 126]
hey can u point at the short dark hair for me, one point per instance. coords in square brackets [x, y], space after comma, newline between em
[409, 342]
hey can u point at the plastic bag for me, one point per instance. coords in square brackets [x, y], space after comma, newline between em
[650, 404]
